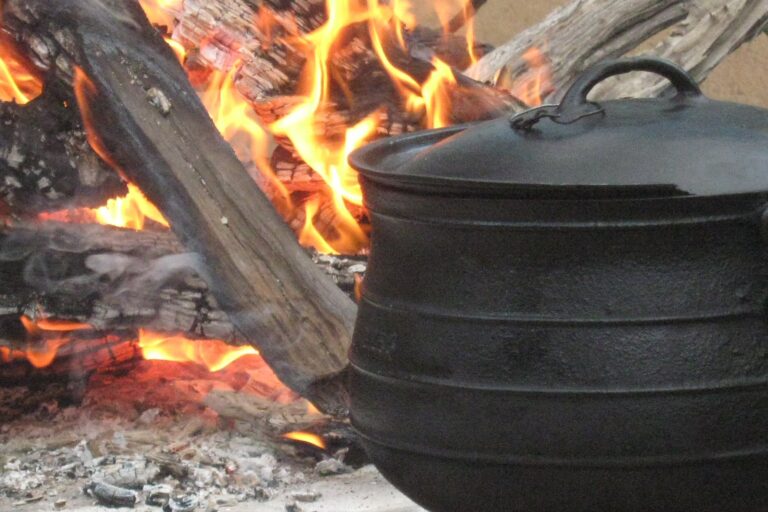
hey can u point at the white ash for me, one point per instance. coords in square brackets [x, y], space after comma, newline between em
[159, 100]
[153, 435]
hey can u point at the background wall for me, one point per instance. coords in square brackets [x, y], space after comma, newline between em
[742, 77]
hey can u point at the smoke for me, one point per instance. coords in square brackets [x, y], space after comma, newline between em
[84, 262]
[137, 276]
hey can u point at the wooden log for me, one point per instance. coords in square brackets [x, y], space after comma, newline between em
[260, 276]
[262, 36]
[79, 357]
[577, 35]
[119, 280]
[110, 278]
[704, 33]
[712, 30]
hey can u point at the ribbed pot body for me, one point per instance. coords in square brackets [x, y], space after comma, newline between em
[517, 354]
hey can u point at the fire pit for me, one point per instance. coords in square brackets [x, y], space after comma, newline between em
[183, 240]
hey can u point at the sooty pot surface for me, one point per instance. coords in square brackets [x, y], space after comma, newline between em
[566, 311]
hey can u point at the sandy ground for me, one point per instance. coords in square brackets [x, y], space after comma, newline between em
[742, 77]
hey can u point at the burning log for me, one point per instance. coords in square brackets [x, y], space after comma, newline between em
[120, 280]
[143, 118]
[270, 290]
[704, 33]
[74, 361]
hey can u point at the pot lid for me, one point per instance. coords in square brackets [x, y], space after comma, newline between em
[682, 145]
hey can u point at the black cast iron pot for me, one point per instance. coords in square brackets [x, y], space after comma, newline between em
[566, 311]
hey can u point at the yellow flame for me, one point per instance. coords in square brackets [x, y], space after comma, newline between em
[213, 354]
[469, 17]
[130, 211]
[162, 12]
[235, 118]
[178, 49]
[436, 92]
[17, 83]
[307, 438]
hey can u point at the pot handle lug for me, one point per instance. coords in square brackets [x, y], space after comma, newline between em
[575, 104]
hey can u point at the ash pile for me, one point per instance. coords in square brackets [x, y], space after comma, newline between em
[166, 437]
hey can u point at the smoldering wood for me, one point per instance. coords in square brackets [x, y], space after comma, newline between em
[271, 57]
[300, 321]
[85, 353]
[109, 278]
[45, 160]
[119, 280]
[703, 33]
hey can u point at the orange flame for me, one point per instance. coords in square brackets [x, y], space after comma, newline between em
[42, 350]
[307, 438]
[437, 94]
[17, 83]
[327, 159]
[47, 336]
[130, 211]
[533, 89]
[162, 12]
[84, 90]
[469, 17]
[236, 120]
[178, 49]
[402, 11]
[213, 354]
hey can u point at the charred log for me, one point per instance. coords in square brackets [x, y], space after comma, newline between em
[45, 160]
[119, 280]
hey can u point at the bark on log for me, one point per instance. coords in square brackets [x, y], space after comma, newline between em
[712, 30]
[270, 290]
[577, 35]
[704, 33]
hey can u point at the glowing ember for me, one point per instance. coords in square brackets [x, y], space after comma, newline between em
[307, 438]
[213, 354]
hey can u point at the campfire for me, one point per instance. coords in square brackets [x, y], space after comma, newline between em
[177, 205]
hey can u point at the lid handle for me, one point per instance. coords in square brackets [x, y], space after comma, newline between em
[575, 104]
[575, 100]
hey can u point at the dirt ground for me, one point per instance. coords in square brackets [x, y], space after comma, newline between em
[742, 77]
